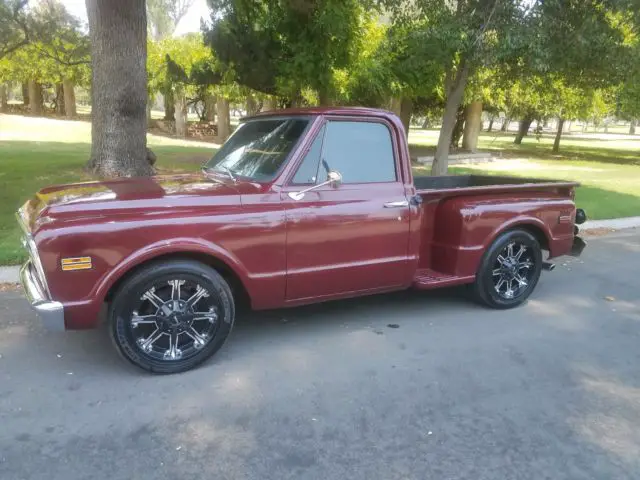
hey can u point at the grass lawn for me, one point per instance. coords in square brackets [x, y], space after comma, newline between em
[36, 152]
[607, 166]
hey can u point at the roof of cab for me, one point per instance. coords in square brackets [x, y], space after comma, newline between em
[350, 111]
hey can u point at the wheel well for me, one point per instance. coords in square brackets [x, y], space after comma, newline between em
[238, 289]
[537, 232]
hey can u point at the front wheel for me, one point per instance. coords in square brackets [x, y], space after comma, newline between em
[509, 270]
[171, 316]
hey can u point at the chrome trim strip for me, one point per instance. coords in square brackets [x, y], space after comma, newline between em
[30, 245]
[50, 312]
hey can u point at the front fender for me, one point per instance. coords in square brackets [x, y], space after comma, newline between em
[170, 247]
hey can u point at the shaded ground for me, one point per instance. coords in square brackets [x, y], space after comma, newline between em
[549, 390]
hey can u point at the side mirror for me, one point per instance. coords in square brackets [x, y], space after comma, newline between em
[334, 179]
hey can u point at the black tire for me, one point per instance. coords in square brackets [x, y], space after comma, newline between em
[487, 288]
[192, 336]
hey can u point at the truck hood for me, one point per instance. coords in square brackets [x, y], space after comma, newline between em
[126, 196]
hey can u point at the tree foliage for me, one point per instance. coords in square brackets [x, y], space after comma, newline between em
[283, 47]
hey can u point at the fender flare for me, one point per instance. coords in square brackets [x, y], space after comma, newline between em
[519, 221]
[174, 246]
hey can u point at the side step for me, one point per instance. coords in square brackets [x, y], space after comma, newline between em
[426, 279]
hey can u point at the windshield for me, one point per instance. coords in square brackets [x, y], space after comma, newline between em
[258, 148]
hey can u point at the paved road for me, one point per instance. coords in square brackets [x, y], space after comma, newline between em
[548, 391]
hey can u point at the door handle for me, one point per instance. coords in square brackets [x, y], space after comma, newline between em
[401, 204]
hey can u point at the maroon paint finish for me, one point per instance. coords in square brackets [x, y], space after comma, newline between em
[334, 243]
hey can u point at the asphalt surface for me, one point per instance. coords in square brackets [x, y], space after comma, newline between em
[547, 391]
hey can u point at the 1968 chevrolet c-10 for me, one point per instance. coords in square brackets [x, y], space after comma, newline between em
[298, 206]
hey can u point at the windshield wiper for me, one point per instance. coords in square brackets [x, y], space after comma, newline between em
[226, 170]
[230, 173]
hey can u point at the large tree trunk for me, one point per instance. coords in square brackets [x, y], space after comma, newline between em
[523, 129]
[632, 127]
[118, 32]
[406, 108]
[59, 99]
[210, 107]
[35, 98]
[181, 115]
[505, 124]
[169, 105]
[556, 143]
[69, 98]
[224, 119]
[252, 105]
[454, 98]
[25, 93]
[472, 126]
[4, 100]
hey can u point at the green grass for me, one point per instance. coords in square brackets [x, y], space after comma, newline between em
[607, 166]
[36, 152]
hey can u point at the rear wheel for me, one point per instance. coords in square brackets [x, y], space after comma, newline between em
[509, 270]
[171, 316]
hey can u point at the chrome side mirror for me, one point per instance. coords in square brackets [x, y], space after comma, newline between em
[333, 178]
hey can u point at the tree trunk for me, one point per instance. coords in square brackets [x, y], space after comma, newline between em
[491, 120]
[269, 104]
[25, 93]
[4, 101]
[59, 99]
[35, 98]
[169, 105]
[523, 130]
[472, 126]
[224, 119]
[426, 124]
[454, 98]
[406, 108]
[458, 130]
[505, 124]
[118, 33]
[632, 127]
[395, 105]
[69, 98]
[568, 127]
[252, 105]
[556, 143]
[210, 107]
[181, 115]
[324, 98]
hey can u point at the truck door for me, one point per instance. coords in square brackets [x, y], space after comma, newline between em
[352, 238]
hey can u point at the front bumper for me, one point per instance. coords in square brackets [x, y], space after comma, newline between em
[50, 312]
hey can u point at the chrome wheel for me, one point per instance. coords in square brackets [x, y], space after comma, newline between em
[174, 320]
[513, 270]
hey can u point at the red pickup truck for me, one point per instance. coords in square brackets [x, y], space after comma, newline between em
[298, 206]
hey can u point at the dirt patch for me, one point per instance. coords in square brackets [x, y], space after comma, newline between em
[9, 287]
[597, 232]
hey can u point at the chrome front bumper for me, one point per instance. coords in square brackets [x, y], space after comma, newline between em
[50, 312]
